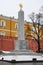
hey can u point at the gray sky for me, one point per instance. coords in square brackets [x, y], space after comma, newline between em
[11, 7]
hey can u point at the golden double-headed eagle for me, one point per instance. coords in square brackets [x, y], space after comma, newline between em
[21, 6]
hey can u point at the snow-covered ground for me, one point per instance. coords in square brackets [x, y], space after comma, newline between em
[21, 56]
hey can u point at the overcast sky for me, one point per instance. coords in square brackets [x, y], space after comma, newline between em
[11, 7]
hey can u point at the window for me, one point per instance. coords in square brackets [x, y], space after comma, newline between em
[2, 33]
[16, 35]
[41, 21]
[33, 28]
[16, 26]
[2, 23]
[32, 35]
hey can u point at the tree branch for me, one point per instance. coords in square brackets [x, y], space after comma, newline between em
[33, 37]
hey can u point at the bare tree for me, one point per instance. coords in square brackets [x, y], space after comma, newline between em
[35, 29]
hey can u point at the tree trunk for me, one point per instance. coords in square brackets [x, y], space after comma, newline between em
[38, 46]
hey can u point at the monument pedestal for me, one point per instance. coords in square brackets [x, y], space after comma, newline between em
[21, 48]
[21, 45]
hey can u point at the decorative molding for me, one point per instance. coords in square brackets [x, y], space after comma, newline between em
[8, 30]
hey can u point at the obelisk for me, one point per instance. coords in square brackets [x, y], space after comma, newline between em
[21, 23]
[21, 43]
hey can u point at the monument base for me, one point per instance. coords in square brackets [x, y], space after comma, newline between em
[21, 44]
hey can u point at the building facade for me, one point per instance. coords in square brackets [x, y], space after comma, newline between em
[8, 26]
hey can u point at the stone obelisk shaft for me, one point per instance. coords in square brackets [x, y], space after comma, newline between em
[21, 25]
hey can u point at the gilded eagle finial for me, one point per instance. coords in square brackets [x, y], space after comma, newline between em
[21, 6]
